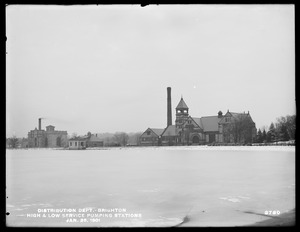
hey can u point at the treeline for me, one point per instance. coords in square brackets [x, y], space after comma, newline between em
[282, 130]
[109, 139]
[120, 139]
[14, 142]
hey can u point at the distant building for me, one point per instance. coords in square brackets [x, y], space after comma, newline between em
[77, 143]
[94, 141]
[83, 142]
[170, 136]
[229, 128]
[151, 137]
[237, 128]
[49, 138]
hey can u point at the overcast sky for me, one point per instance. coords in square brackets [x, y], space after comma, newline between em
[107, 68]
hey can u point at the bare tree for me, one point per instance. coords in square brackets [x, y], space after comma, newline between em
[107, 140]
[137, 137]
[284, 128]
[291, 125]
[13, 142]
[121, 138]
[74, 135]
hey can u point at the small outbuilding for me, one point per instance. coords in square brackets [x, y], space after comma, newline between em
[78, 143]
[83, 142]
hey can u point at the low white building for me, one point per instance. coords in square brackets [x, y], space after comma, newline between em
[77, 143]
[82, 142]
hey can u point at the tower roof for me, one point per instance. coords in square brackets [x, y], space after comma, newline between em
[181, 104]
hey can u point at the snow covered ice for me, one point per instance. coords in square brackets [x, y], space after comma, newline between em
[213, 185]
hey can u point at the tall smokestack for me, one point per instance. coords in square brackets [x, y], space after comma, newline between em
[40, 124]
[169, 109]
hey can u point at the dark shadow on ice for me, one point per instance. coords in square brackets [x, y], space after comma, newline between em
[184, 220]
[287, 219]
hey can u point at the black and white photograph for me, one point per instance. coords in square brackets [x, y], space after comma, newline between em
[159, 115]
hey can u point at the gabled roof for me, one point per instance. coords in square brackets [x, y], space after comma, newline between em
[158, 132]
[237, 115]
[198, 121]
[181, 104]
[170, 131]
[80, 138]
[210, 123]
[94, 138]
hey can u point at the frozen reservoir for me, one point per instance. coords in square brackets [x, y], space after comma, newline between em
[145, 187]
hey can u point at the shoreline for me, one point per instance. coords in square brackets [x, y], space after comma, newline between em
[285, 219]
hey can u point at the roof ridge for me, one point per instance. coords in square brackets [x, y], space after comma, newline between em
[238, 113]
[209, 116]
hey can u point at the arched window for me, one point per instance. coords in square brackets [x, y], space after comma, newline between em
[195, 139]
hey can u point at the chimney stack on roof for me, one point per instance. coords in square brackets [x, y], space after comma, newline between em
[40, 124]
[169, 107]
[220, 114]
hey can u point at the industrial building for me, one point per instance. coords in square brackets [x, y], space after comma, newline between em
[229, 128]
[47, 138]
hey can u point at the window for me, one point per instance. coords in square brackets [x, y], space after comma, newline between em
[81, 143]
[58, 141]
[75, 144]
[148, 132]
[185, 111]
[70, 143]
[178, 111]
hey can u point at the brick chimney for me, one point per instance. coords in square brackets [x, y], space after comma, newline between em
[169, 109]
[40, 124]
